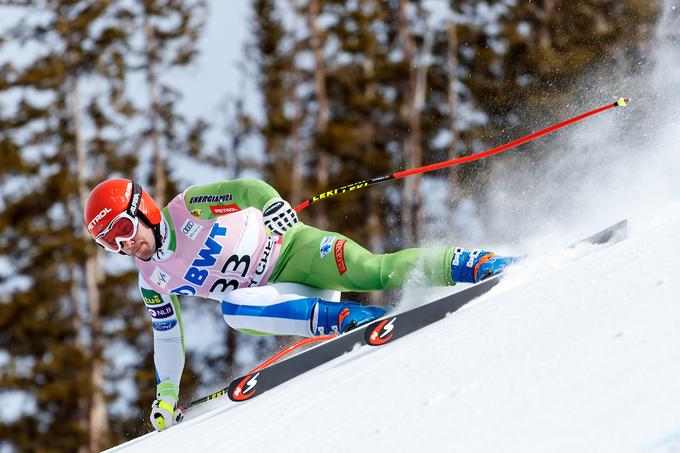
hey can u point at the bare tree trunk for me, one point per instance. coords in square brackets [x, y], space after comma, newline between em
[74, 317]
[452, 94]
[236, 140]
[98, 416]
[83, 414]
[160, 174]
[411, 196]
[323, 112]
[544, 38]
[296, 146]
[240, 130]
[232, 346]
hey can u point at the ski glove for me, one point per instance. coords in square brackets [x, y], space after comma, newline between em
[278, 216]
[163, 410]
[475, 266]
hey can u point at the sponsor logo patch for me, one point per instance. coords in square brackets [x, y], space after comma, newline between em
[159, 277]
[184, 290]
[211, 198]
[197, 213]
[191, 229]
[135, 202]
[262, 265]
[273, 208]
[162, 326]
[151, 297]
[245, 389]
[339, 252]
[98, 218]
[381, 333]
[326, 245]
[348, 188]
[197, 274]
[223, 210]
[161, 312]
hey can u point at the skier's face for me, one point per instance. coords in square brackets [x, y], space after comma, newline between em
[142, 245]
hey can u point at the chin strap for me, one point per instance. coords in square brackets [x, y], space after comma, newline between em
[157, 235]
[155, 228]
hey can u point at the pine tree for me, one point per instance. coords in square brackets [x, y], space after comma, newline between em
[69, 131]
[533, 57]
[54, 323]
[170, 33]
[272, 55]
[166, 34]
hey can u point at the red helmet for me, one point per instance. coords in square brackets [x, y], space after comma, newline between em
[114, 197]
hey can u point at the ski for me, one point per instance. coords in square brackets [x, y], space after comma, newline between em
[252, 384]
[380, 332]
[611, 235]
[395, 326]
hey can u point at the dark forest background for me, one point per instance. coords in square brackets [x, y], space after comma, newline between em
[350, 90]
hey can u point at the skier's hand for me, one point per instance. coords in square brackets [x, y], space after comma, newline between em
[164, 411]
[278, 216]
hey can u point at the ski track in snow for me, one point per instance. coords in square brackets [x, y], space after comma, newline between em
[569, 353]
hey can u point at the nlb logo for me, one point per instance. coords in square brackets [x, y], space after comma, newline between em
[98, 218]
[245, 389]
[164, 311]
[206, 258]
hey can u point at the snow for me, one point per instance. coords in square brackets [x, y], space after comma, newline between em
[575, 351]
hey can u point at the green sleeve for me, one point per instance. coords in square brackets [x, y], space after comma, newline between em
[207, 201]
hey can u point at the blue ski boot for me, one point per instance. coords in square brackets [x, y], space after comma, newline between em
[475, 266]
[340, 317]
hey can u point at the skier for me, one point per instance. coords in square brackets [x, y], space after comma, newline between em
[238, 242]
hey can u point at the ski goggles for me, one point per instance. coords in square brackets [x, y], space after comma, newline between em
[124, 226]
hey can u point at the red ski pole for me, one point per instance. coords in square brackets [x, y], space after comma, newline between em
[621, 102]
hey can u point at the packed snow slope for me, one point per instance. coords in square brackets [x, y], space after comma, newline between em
[575, 351]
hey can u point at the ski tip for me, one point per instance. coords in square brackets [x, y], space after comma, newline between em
[622, 102]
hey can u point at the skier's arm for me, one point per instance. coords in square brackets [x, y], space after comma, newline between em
[168, 338]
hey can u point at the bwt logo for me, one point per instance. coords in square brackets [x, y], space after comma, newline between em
[98, 218]
[206, 258]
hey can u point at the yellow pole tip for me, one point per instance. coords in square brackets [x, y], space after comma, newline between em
[622, 102]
